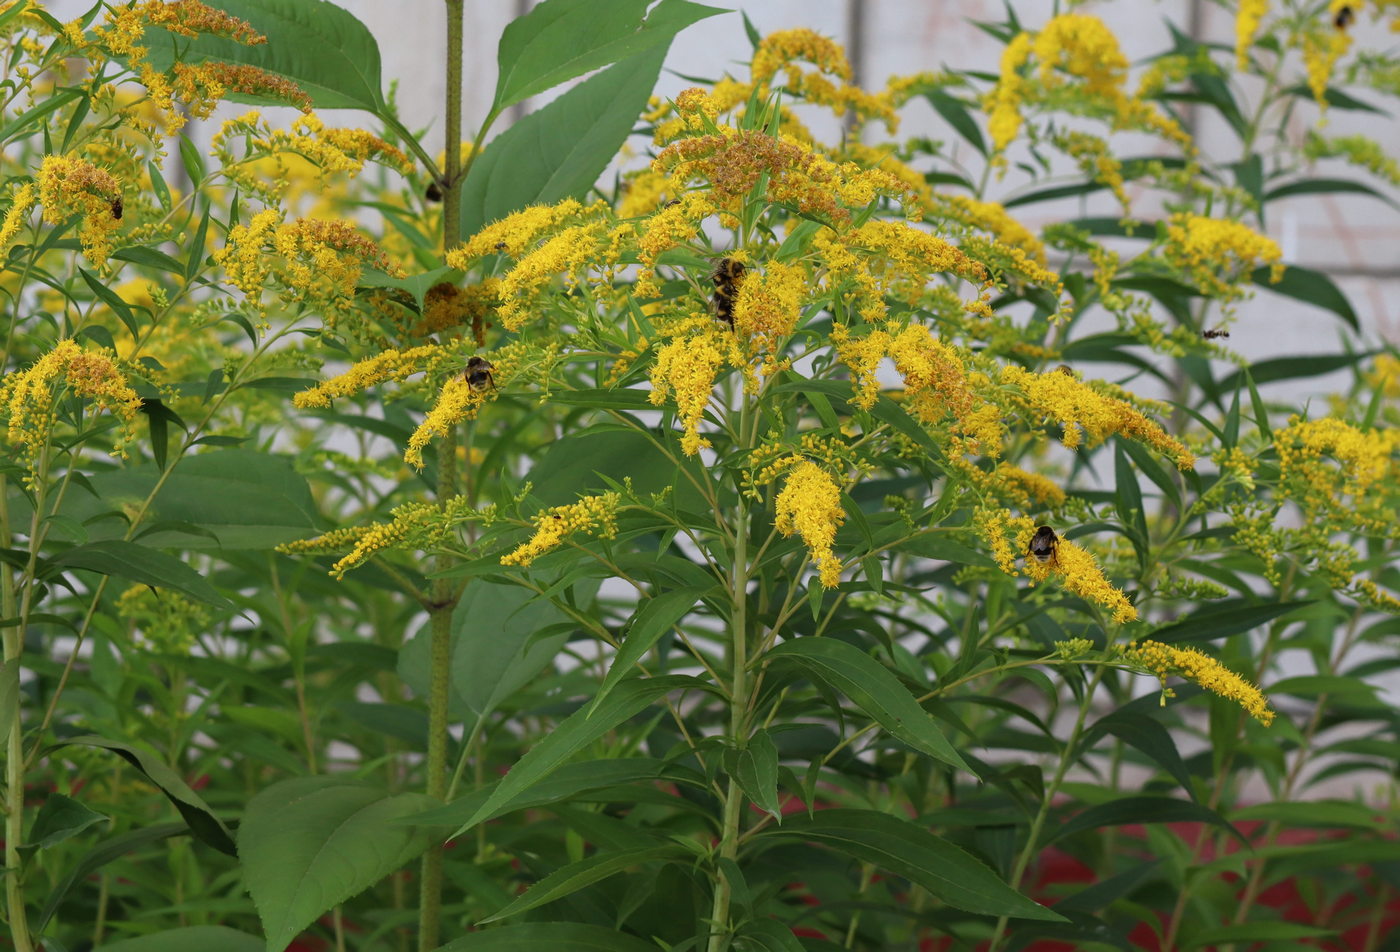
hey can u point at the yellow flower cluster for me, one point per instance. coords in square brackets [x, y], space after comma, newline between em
[1085, 49]
[686, 368]
[328, 151]
[312, 261]
[28, 395]
[935, 381]
[70, 186]
[571, 253]
[883, 259]
[1366, 470]
[511, 235]
[24, 198]
[809, 505]
[770, 303]
[1215, 254]
[413, 526]
[387, 365]
[1162, 660]
[595, 515]
[1320, 54]
[1027, 490]
[1247, 19]
[993, 218]
[786, 47]
[1082, 410]
[1006, 535]
[1080, 574]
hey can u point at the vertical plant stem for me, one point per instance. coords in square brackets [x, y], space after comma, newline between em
[443, 595]
[738, 707]
[13, 636]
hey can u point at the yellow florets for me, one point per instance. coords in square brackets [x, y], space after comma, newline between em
[809, 505]
[1216, 254]
[1364, 468]
[70, 186]
[1163, 660]
[1081, 575]
[686, 368]
[769, 304]
[594, 515]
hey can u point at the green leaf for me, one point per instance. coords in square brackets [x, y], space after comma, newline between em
[577, 731]
[113, 300]
[99, 856]
[1312, 287]
[567, 782]
[1289, 368]
[201, 819]
[317, 45]
[1250, 933]
[873, 689]
[956, 113]
[59, 819]
[1127, 811]
[559, 150]
[658, 615]
[585, 463]
[586, 872]
[416, 285]
[1148, 736]
[908, 849]
[203, 938]
[9, 694]
[755, 768]
[309, 843]
[245, 499]
[561, 39]
[1318, 186]
[139, 564]
[554, 936]
[1222, 620]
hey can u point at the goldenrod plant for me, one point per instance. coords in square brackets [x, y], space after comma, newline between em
[651, 526]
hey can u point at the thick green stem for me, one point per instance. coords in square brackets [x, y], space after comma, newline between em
[14, 755]
[443, 593]
[739, 701]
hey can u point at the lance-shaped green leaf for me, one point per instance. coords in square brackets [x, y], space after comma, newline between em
[559, 150]
[873, 689]
[60, 818]
[586, 872]
[1133, 810]
[908, 849]
[309, 843]
[755, 768]
[658, 615]
[578, 730]
[322, 48]
[561, 39]
[201, 819]
[139, 564]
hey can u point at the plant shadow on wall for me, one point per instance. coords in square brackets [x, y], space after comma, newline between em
[771, 549]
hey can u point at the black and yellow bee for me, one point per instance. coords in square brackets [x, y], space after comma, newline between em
[117, 208]
[727, 276]
[1067, 369]
[1214, 332]
[478, 374]
[1344, 18]
[1043, 544]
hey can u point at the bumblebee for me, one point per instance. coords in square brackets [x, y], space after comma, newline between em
[1043, 544]
[1214, 332]
[478, 374]
[117, 208]
[1344, 18]
[727, 275]
[1067, 369]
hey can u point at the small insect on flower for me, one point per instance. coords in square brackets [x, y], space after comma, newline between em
[672, 203]
[1066, 369]
[1214, 332]
[727, 275]
[1043, 543]
[433, 192]
[117, 208]
[478, 374]
[1344, 18]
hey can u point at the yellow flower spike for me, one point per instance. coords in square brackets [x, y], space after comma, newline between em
[1366, 468]
[1027, 489]
[70, 186]
[1005, 534]
[1250, 14]
[1080, 574]
[1003, 103]
[1081, 410]
[25, 197]
[594, 515]
[861, 356]
[769, 304]
[935, 381]
[809, 505]
[686, 367]
[1163, 660]
[570, 253]
[389, 365]
[28, 395]
[1206, 248]
[513, 234]
[458, 401]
